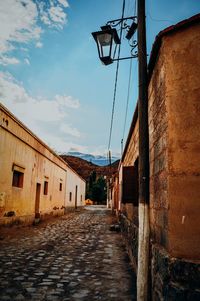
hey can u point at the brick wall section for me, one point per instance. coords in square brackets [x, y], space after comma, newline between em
[158, 141]
[133, 148]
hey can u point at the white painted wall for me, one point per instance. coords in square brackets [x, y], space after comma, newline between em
[73, 180]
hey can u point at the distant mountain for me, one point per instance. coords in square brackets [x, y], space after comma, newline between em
[84, 168]
[98, 160]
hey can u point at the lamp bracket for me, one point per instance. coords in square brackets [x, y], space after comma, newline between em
[116, 22]
[124, 25]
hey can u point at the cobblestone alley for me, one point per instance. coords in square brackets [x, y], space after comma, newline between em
[74, 257]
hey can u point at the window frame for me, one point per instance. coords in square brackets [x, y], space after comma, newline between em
[46, 186]
[17, 179]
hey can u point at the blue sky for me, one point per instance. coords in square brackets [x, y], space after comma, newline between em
[50, 74]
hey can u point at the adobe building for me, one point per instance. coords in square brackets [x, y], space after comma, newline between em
[174, 151]
[76, 189]
[34, 180]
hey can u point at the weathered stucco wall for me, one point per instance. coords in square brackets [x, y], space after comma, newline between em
[72, 181]
[182, 51]
[158, 153]
[18, 148]
[174, 123]
[174, 152]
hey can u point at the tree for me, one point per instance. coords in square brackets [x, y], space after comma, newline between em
[99, 191]
[96, 189]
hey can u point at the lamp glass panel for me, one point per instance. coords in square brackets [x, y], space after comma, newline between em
[105, 39]
[105, 44]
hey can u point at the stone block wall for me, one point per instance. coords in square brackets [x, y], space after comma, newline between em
[133, 148]
[130, 234]
[173, 279]
[158, 156]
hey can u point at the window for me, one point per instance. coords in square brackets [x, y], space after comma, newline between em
[60, 187]
[70, 196]
[45, 187]
[18, 179]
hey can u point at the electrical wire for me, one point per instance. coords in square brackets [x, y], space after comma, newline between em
[116, 79]
[128, 91]
[159, 20]
[135, 8]
[128, 98]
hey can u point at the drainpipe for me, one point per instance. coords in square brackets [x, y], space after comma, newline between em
[144, 229]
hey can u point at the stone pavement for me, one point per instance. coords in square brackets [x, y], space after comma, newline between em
[74, 257]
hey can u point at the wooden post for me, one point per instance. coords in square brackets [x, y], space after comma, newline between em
[143, 240]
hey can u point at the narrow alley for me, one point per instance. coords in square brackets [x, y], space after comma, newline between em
[74, 257]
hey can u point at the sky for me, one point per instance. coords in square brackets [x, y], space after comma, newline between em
[50, 75]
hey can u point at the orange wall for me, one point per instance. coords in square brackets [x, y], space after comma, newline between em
[182, 51]
[174, 144]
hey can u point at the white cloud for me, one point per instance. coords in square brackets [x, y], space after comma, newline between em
[64, 3]
[38, 45]
[27, 61]
[19, 23]
[47, 112]
[68, 129]
[53, 15]
[57, 15]
[67, 101]
[5, 60]
[62, 146]
[13, 93]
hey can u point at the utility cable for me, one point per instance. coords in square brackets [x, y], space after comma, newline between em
[128, 98]
[116, 79]
[128, 91]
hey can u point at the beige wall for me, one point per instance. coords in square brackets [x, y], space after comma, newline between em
[174, 123]
[158, 152]
[133, 148]
[182, 51]
[72, 181]
[19, 148]
[174, 144]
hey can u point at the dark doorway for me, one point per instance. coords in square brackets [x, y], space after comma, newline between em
[76, 192]
[37, 200]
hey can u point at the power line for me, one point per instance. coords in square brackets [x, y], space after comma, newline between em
[128, 91]
[158, 20]
[116, 79]
[128, 98]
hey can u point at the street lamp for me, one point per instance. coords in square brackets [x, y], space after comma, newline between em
[107, 40]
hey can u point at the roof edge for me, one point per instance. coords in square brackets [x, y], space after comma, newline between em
[158, 40]
[13, 117]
